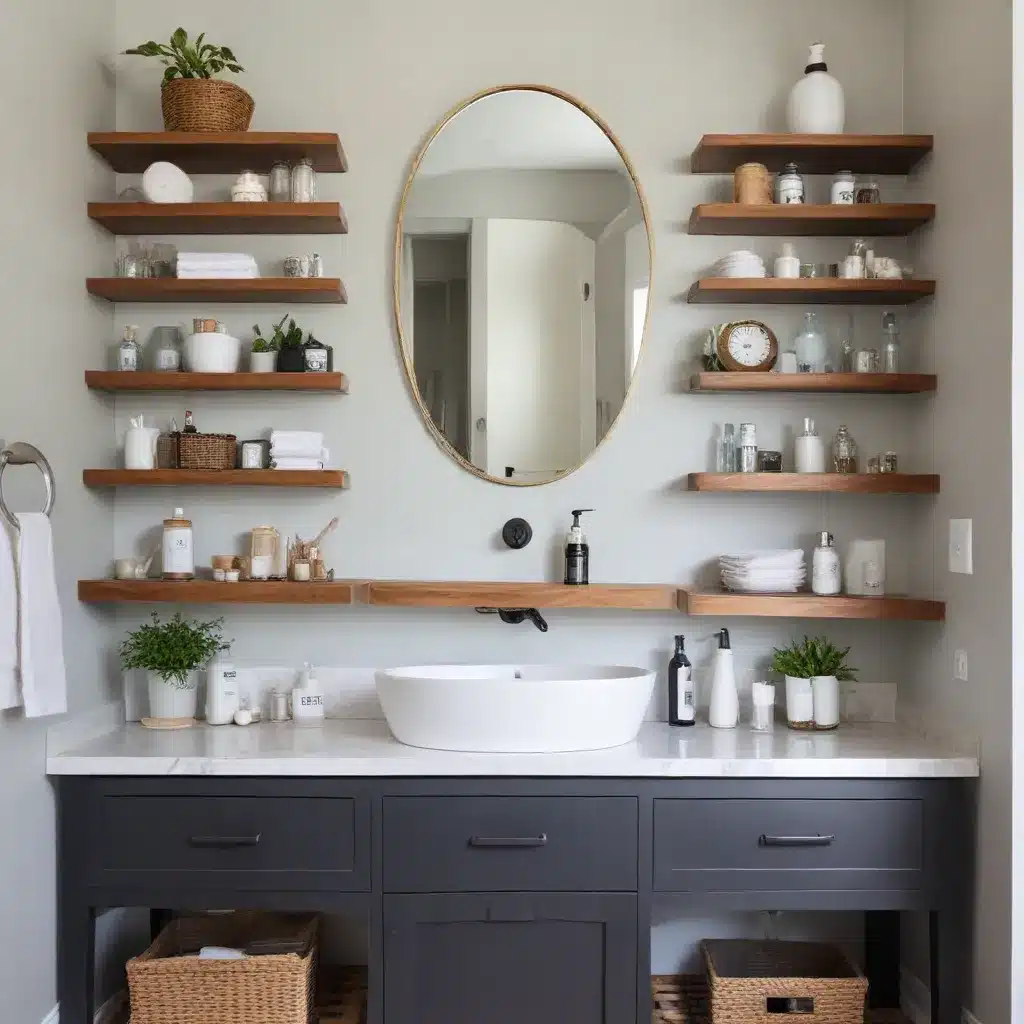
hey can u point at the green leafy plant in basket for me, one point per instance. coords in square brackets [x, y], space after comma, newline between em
[184, 59]
[813, 656]
[174, 649]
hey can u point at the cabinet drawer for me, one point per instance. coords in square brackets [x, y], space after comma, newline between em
[502, 844]
[236, 842]
[745, 845]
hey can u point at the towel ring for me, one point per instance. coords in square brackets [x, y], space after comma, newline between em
[22, 454]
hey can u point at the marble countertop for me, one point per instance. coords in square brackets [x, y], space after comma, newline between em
[346, 747]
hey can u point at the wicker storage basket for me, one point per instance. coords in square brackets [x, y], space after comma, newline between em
[169, 984]
[761, 982]
[207, 451]
[205, 105]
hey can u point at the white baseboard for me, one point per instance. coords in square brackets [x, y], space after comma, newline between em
[53, 1017]
[106, 1013]
[916, 1001]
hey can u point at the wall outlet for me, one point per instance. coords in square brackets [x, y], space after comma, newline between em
[960, 665]
[961, 555]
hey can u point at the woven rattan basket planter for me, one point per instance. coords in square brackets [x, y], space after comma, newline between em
[207, 451]
[169, 984]
[205, 105]
[753, 982]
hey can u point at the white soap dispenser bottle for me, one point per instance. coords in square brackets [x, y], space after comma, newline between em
[816, 103]
[308, 699]
[725, 704]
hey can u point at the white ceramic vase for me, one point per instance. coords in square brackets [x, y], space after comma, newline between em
[169, 699]
[825, 691]
[262, 362]
[816, 103]
[799, 702]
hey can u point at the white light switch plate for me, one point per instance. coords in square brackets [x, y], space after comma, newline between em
[961, 556]
[960, 665]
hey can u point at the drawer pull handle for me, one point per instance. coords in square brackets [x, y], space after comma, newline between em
[796, 840]
[511, 842]
[224, 842]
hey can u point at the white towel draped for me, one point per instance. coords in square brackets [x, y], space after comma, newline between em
[9, 696]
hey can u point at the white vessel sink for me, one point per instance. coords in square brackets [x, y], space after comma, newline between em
[515, 709]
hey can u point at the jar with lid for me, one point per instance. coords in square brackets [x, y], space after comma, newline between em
[280, 182]
[844, 451]
[178, 557]
[810, 346]
[868, 191]
[843, 188]
[789, 186]
[748, 448]
[128, 350]
[166, 351]
[303, 182]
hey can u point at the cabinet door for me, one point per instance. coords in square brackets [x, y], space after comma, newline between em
[505, 959]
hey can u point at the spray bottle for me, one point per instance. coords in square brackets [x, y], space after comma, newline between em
[725, 705]
[577, 552]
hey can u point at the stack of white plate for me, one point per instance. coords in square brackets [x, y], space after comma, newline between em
[764, 572]
[741, 263]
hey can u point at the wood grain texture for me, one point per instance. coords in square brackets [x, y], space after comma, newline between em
[219, 152]
[211, 592]
[834, 483]
[806, 220]
[143, 380]
[816, 383]
[331, 478]
[460, 594]
[220, 218]
[815, 154]
[260, 289]
[809, 606]
[832, 291]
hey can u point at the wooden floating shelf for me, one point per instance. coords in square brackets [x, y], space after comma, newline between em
[287, 290]
[211, 592]
[144, 380]
[833, 483]
[220, 218]
[456, 594]
[219, 152]
[800, 219]
[331, 478]
[814, 154]
[810, 606]
[816, 383]
[833, 291]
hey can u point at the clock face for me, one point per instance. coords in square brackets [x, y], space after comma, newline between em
[750, 344]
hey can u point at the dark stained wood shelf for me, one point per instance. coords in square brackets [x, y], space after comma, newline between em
[210, 592]
[801, 219]
[814, 154]
[285, 290]
[459, 594]
[332, 478]
[834, 483]
[833, 291]
[220, 218]
[816, 383]
[219, 152]
[146, 380]
[809, 606]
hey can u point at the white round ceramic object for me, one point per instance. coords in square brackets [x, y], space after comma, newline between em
[165, 182]
[212, 352]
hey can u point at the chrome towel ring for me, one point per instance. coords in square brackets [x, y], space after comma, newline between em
[22, 454]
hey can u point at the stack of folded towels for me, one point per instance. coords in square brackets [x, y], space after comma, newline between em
[297, 449]
[192, 265]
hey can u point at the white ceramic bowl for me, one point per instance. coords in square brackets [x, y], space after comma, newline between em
[163, 182]
[210, 352]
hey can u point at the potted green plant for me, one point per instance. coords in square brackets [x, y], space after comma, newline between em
[191, 98]
[292, 356]
[813, 668]
[171, 653]
[263, 357]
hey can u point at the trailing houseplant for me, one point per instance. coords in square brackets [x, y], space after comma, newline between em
[813, 668]
[263, 357]
[171, 652]
[191, 98]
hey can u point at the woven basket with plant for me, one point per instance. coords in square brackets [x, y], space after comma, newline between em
[191, 98]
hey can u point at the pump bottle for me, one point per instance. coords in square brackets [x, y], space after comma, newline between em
[577, 552]
[681, 710]
[725, 705]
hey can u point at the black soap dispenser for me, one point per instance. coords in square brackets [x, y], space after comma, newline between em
[577, 552]
[681, 709]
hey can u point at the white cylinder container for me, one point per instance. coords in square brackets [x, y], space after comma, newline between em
[724, 712]
[170, 699]
[816, 103]
[799, 702]
[826, 575]
[178, 555]
[825, 690]
[809, 450]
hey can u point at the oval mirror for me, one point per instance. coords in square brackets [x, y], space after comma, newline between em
[522, 272]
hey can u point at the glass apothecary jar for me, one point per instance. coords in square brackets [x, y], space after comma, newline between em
[303, 182]
[280, 182]
[844, 451]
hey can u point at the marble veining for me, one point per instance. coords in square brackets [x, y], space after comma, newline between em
[367, 748]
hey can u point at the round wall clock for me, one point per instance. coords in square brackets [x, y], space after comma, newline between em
[746, 345]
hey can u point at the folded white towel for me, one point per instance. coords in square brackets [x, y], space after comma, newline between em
[296, 463]
[44, 686]
[296, 438]
[298, 452]
[9, 697]
[215, 257]
[185, 274]
[218, 264]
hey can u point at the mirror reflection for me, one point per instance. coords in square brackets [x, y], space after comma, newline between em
[522, 277]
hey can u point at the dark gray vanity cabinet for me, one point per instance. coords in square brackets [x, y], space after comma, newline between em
[506, 958]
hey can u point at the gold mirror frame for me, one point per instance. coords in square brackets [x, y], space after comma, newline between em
[410, 370]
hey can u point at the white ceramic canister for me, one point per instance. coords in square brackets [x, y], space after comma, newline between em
[809, 450]
[844, 188]
[140, 447]
[816, 103]
[178, 554]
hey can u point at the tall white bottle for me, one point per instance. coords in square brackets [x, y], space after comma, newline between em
[725, 702]
[816, 103]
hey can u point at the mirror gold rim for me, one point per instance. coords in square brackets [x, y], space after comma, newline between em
[410, 372]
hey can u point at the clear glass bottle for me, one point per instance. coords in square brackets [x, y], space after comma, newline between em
[303, 182]
[891, 347]
[167, 350]
[726, 454]
[847, 350]
[280, 182]
[810, 346]
[748, 448]
[128, 350]
[844, 451]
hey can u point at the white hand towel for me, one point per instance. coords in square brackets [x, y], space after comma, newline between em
[216, 275]
[297, 463]
[215, 257]
[44, 686]
[306, 438]
[217, 265]
[9, 697]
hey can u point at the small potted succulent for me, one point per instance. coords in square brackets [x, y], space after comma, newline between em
[191, 98]
[292, 356]
[813, 668]
[171, 653]
[263, 357]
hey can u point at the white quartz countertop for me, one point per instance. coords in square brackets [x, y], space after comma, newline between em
[366, 748]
